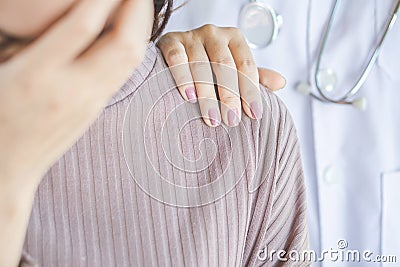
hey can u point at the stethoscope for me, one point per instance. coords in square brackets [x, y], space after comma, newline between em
[260, 25]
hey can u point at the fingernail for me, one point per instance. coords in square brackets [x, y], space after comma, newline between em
[256, 110]
[233, 117]
[214, 116]
[191, 94]
[284, 82]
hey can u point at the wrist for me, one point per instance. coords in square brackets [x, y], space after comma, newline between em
[19, 173]
[15, 208]
[17, 184]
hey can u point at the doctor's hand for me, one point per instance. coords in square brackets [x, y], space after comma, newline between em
[228, 50]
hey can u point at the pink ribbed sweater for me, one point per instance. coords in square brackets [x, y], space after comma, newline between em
[135, 189]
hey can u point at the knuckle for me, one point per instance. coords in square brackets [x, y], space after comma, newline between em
[202, 68]
[207, 93]
[246, 64]
[167, 39]
[225, 61]
[206, 66]
[202, 74]
[210, 29]
[168, 35]
[231, 100]
[234, 31]
[175, 56]
[250, 92]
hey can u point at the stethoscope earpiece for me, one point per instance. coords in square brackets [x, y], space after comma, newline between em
[360, 103]
[303, 88]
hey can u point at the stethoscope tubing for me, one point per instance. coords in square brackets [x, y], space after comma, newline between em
[371, 62]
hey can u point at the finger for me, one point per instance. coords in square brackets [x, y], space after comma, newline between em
[122, 49]
[271, 79]
[225, 71]
[203, 80]
[175, 55]
[73, 33]
[248, 75]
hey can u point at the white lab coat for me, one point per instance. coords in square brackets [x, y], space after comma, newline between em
[351, 158]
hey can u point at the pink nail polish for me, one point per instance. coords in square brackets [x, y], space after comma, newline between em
[191, 94]
[233, 117]
[256, 110]
[214, 117]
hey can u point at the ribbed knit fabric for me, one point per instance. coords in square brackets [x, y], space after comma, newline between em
[99, 204]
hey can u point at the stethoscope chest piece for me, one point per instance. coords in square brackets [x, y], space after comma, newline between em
[327, 79]
[259, 23]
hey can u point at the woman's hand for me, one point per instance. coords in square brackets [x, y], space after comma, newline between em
[228, 50]
[52, 90]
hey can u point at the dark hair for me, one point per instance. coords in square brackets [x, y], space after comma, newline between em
[162, 13]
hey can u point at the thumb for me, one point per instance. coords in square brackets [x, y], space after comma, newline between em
[272, 80]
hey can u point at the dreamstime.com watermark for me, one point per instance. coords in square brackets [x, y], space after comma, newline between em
[339, 254]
